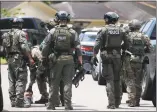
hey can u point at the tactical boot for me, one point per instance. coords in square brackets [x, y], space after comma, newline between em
[117, 106]
[62, 100]
[117, 103]
[127, 101]
[131, 103]
[22, 105]
[43, 100]
[111, 107]
[68, 107]
[137, 103]
[50, 106]
[58, 105]
[13, 103]
[27, 103]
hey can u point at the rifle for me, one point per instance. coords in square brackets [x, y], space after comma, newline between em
[80, 73]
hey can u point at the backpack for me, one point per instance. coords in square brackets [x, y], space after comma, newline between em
[62, 39]
[11, 42]
[137, 44]
[8, 39]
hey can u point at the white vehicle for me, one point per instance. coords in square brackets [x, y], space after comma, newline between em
[87, 40]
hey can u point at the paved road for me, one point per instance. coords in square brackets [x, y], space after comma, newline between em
[93, 10]
[87, 97]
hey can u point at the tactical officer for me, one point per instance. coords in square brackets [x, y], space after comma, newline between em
[109, 40]
[60, 98]
[62, 39]
[127, 75]
[17, 50]
[139, 44]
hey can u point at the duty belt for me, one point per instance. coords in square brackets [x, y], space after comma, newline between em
[13, 53]
[65, 53]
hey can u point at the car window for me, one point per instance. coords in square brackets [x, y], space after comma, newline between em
[28, 24]
[5, 24]
[89, 37]
[153, 35]
[146, 26]
[38, 21]
[81, 35]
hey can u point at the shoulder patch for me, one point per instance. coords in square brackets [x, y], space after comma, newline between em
[52, 30]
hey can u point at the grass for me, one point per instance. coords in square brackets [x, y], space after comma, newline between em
[3, 61]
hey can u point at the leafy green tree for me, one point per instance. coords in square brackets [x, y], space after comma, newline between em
[5, 12]
[47, 2]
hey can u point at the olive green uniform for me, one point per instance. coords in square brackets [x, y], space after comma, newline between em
[109, 41]
[16, 44]
[49, 81]
[64, 67]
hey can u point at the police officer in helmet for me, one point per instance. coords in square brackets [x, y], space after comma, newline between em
[63, 40]
[109, 40]
[135, 60]
[17, 48]
[17, 23]
[134, 25]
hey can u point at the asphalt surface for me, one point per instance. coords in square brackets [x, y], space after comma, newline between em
[87, 97]
[93, 10]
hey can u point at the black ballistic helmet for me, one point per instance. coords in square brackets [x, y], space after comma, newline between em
[111, 17]
[16, 22]
[135, 24]
[62, 15]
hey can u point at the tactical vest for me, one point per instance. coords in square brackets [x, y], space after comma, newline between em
[113, 37]
[136, 44]
[11, 42]
[62, 39]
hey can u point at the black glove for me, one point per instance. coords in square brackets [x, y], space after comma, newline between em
[44, 61]
[94, 61]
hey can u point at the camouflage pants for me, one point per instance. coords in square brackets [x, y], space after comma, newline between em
[63, 70]
[137, 70]
[111, 73]
[41, 81]
[17, 75]
[128, 78]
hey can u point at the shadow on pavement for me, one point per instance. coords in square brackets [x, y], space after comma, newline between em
[81, 109]
[5, 111]
[132, 108]
[75, 106]
[147, 106]
[37, 105]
